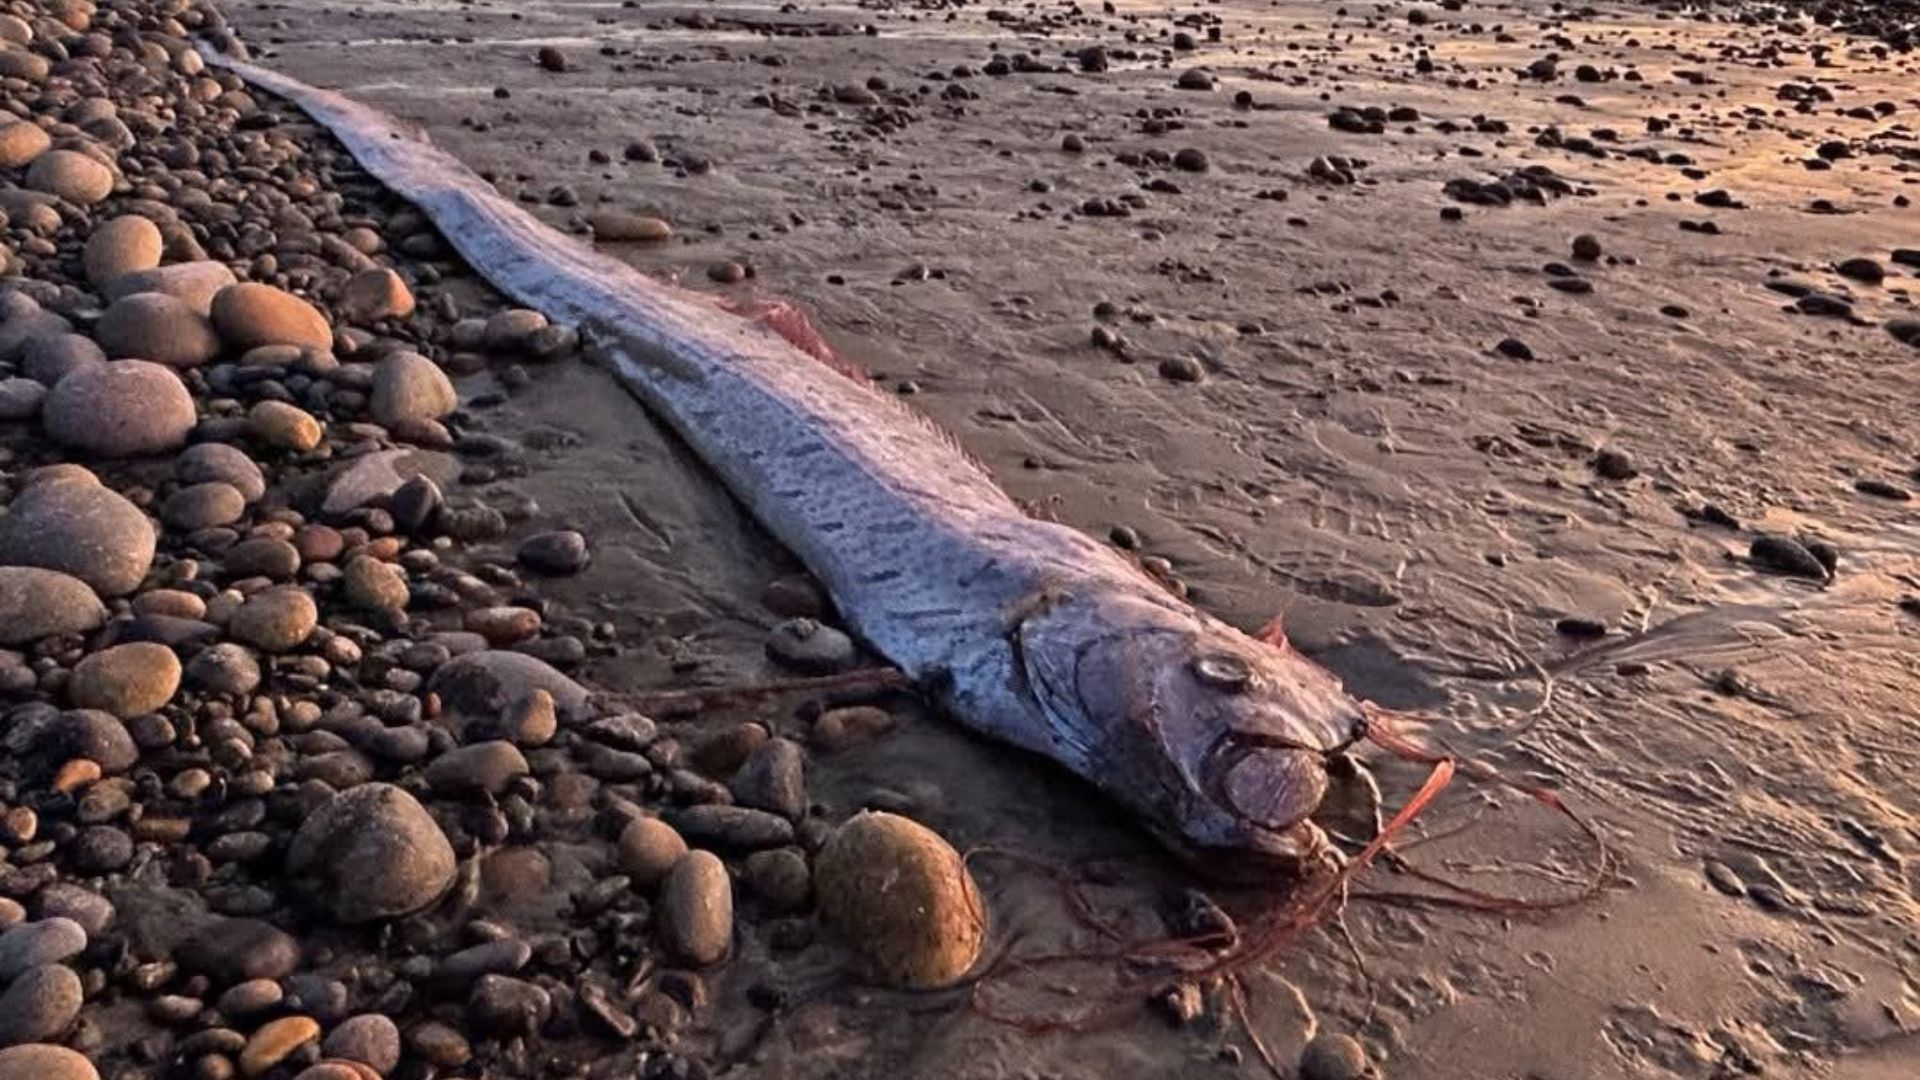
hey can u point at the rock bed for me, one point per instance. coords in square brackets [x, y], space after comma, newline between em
[293, 781]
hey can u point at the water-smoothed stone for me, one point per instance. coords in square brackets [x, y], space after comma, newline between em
[408, 386]
[29, 945]
[71, 175]
[275, 620]
[157, 327]
[44, 1061]
[126, 680]
[41, 1004]
[696, 910]
[251, 314]
[901, 901]
[219, 462]
[375, 853]
[128, 408]
[37, 603]
[84, 530]
[193, 283]
[122, 245]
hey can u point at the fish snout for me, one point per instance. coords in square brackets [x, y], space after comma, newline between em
[1266, 783]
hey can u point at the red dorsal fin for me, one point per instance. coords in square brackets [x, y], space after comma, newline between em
[785, 319]
[1274, 633]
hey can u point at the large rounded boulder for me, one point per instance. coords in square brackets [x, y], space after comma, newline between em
[79, 528]
[373, 853]
[128, 408]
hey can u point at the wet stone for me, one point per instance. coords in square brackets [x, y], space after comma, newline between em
[127, 408]
[1334, 1056]
[40, 1005]
[560, 553]
[126, 680]
[375, 853]
[731, 828]
[810, 646]
[647, 849]
[37, 603]
[695, 910]
[236, 950]
[773, 779]
[371, 1039]
[30, 945]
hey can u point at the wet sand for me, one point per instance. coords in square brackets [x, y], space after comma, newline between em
[1423, 509]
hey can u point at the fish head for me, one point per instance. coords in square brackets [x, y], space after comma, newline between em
[1221, 740]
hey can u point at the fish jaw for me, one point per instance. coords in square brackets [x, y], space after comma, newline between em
[1218, 740]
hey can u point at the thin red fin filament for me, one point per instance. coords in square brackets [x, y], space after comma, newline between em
[1142, 965]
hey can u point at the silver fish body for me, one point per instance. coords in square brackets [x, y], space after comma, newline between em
[1028, 631]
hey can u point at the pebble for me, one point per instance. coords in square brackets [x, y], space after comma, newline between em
[510, 331]
[854, 725]
[47, 358]
[249, 315]
[374, 585]
[124, 409]
[1333, 1056]
[157, 327]
[126, 680]
[504, 625]
[1614, 464]
[39, 1005]
[20, 142]
[619, 226]
[559, 554]
[373, 295]
[86, 734]
[485, 768]
[647, 849]
[773, 779]
[370, 1039]
[122, 245]
[284, 426]
[71, 175]
[408, 386]
[20, 398]
[695, 910]
[488, 682]
[203, 506]
[780, 879]
[439, 1045]
[370, 478]
[81, 529]
[901, 900]
[37, 603]
[531, 721]
[811, 646]
[30, 945]
[732, 827]
[194, 284]
[502, 1007]
[375, 854]
[1182, 368]
[42, 1061]
[1785, 555]
[211, 462]
[230, 951]
[275, 620]
[275, 1042]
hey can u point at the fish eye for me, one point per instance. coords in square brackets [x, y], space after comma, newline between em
[1223, 671]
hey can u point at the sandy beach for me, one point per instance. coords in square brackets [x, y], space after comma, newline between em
[1547, 374]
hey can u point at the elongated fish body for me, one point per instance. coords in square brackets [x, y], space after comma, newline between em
[1027, 631]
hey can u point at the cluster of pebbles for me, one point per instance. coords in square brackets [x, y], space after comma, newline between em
[294, 779]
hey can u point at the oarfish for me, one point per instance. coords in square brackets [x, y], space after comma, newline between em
[1027, 631]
